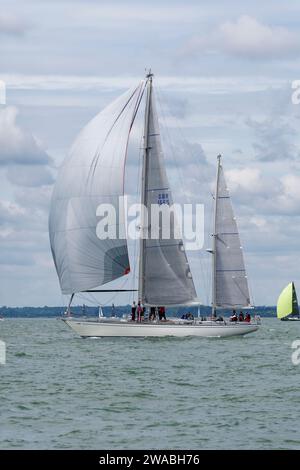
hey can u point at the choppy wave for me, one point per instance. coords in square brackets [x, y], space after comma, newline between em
[61, 392]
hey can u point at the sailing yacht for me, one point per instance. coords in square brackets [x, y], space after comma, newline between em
[287, 304]
[93, 174]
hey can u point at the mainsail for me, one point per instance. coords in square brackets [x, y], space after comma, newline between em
[287, 303]
[230, 285]
[165, 277]
[92, 174]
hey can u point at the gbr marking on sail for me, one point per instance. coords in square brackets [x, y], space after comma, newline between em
[160, 221]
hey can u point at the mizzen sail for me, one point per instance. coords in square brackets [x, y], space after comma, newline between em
[231, 284]
[91, 175]
[165, 276]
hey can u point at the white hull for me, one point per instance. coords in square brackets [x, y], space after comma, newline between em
[131, 329]
[290, 319]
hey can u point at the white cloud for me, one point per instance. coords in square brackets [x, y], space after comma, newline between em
[186, 83]
[21, 154]
[248, 179]
[247, 38]
[263, 194]
[10, 212]
[274, 138]
[12, 25]
[29, 176]
[37, 198]
[289, 199]
[16, 217]
[17, 146]
[121, 13]
[23, 234]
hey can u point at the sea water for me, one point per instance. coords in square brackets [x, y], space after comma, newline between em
[59, 391]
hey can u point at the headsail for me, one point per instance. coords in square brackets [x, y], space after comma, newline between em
[287, 303]
[231, 285]
[165, 277]
[92, 174]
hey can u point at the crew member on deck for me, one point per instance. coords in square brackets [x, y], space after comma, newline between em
[139, 312]
[133, 311]
[152, 314]
[143, 313]
[233, 316]
[241, 316]
[162, 313]
[189, 316]
[248, 318]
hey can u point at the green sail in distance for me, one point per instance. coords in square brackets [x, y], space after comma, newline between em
[287, 303]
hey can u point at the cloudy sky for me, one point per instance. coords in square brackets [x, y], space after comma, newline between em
[223, 78]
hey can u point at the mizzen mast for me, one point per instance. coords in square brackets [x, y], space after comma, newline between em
[214, 247]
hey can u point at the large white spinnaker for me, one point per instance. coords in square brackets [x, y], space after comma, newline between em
[231, 284]
[165, 276]
[92, 174]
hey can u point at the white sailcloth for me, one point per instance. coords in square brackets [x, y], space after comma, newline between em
[167, 277]
[92, 174]
[231, 279]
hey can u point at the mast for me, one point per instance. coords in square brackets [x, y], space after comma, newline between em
[214, 235]
[144, 221]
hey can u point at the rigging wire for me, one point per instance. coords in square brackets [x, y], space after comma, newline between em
[253, 303]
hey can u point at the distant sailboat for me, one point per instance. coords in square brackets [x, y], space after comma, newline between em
[93, 174]
[287, 304]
